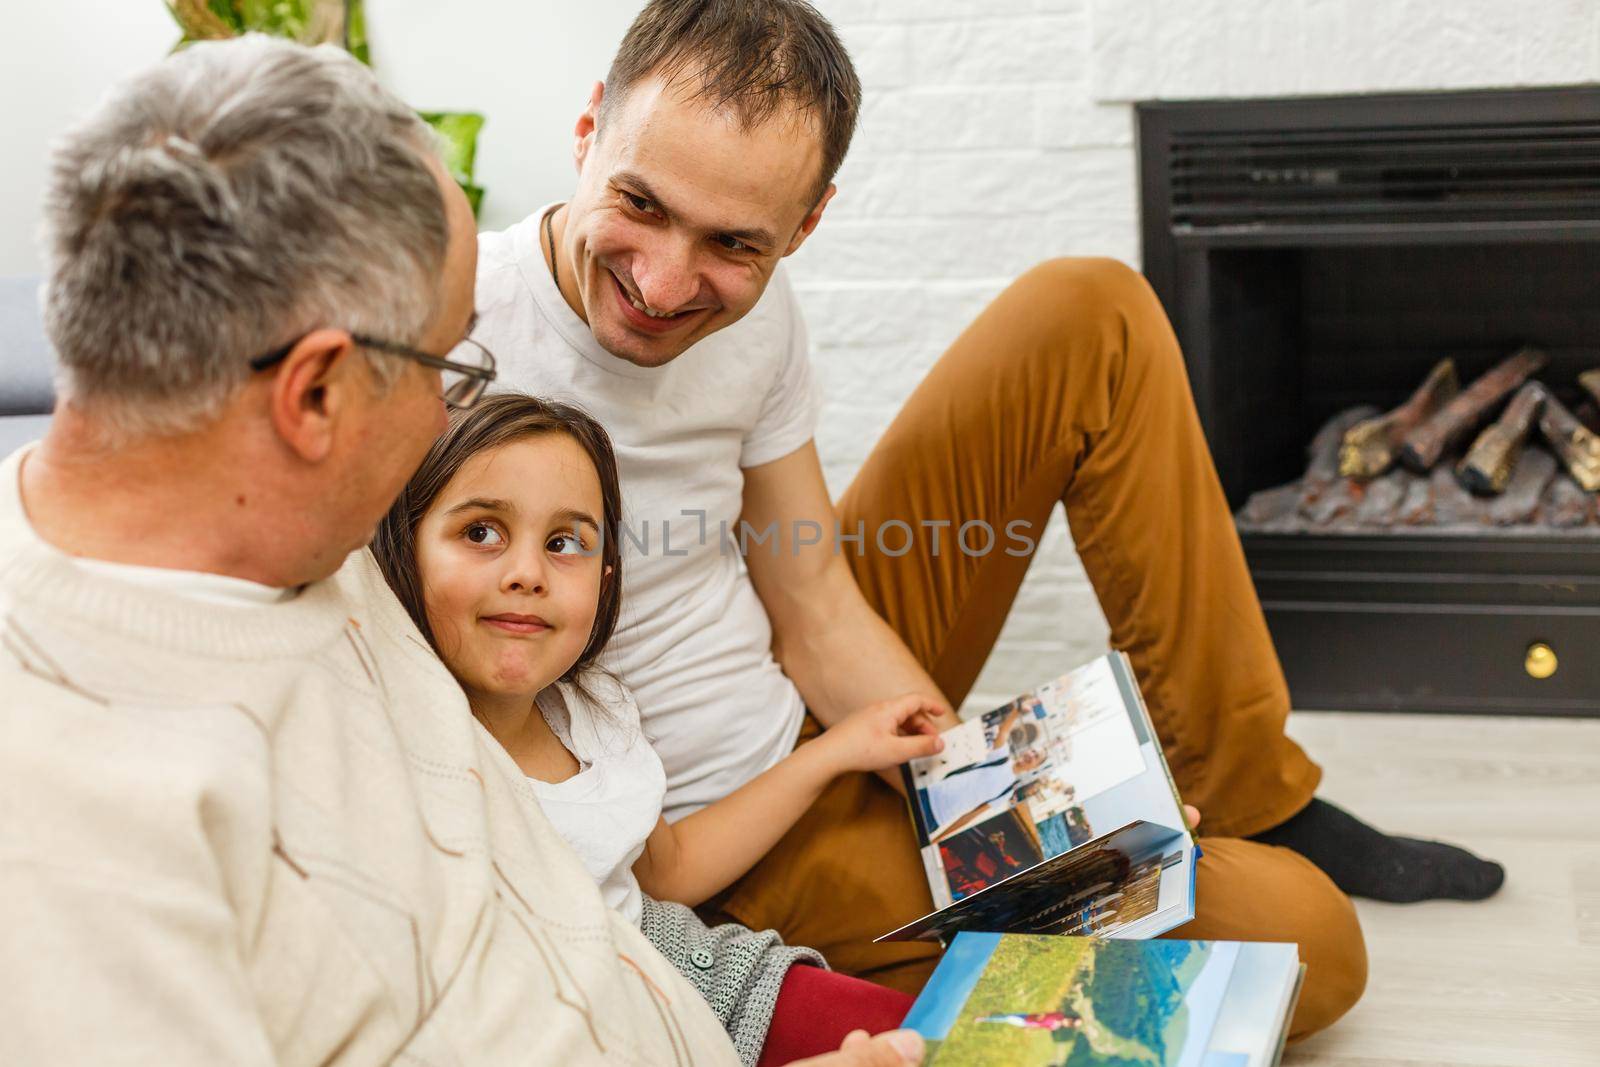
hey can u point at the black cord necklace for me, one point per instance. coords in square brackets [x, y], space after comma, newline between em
[550, 235]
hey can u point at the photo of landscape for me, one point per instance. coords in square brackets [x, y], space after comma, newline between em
[1017, 999]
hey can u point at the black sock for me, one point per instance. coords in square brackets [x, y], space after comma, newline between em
[1365, 862]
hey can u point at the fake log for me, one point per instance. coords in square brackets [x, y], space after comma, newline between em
[1589, 380]
[1538, 492]
[1453, 505]
[1566, 504]
[1589, 414]
[1487, 468]
[1323, 453]
[1416, 508]
[1325, 496]
[1336, 506]
[1576, 447]
[1451, 424]
[1533, 475]
[1271, 508]
[1588, 410]
[1278, 508]
[1383, 499]
[1370, 447]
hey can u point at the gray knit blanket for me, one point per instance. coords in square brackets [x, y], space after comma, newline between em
[736, 969]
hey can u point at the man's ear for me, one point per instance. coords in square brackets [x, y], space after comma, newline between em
[588, 127]
[311, 390]
[809, 223]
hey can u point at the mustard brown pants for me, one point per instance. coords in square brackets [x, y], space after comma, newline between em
[1070, 387]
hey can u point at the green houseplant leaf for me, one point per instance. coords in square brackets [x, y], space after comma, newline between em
[341, 22]
[307, 21]
[205, 20]
[458, 144]
[355, 30]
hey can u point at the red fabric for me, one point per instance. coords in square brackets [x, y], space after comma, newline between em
[817, 1008]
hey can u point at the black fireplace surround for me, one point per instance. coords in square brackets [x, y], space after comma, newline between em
[1318, 253]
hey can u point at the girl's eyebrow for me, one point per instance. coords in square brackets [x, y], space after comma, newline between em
[573, 516]
[566, 516]
[479, 503]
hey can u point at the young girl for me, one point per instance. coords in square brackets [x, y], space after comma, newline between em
[504, 548]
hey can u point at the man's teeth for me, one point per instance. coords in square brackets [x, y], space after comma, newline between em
[647, 311]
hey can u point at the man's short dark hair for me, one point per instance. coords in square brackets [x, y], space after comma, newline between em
[754, 56]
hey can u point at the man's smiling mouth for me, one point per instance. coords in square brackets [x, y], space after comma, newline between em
[653, 314]
[661, 317]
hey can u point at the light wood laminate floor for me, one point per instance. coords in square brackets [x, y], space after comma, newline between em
[1510, 982]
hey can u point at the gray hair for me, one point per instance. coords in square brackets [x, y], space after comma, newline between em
[220, 205]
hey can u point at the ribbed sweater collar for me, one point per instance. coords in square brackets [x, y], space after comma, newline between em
[37, 576]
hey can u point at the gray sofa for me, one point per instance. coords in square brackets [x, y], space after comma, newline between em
[27, 394]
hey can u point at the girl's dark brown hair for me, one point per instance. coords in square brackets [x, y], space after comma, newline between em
[494, 421]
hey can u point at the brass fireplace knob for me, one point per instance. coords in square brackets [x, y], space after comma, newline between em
[1541, 662]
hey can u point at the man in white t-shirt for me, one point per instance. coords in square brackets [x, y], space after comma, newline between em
[757, 611]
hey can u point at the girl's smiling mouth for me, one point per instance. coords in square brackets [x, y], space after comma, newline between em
[511, 622]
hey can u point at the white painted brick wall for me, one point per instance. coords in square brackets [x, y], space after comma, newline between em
[999, 133]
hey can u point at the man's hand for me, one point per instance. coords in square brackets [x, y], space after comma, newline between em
[884, 735]
[893, 1049]
[1191, 813]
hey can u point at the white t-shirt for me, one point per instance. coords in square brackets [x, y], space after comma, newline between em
[694, 643]
[607, 810]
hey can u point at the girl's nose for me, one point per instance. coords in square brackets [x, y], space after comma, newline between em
[524, 584]
[525, 574]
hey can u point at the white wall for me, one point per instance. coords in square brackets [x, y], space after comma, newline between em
[995, 133]
[527, 66]
[503, 58]
[56, 60]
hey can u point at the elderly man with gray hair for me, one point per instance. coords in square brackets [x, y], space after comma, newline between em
[248, 818]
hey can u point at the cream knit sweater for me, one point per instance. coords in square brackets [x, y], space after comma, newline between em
[276, 835]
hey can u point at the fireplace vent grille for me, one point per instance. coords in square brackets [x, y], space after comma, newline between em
[1392, 175]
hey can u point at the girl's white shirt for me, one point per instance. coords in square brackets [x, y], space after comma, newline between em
[608, 809]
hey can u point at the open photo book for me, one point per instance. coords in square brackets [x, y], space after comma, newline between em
[1053, 814]
[1021, 999]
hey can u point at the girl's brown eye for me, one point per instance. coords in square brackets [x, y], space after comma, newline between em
[480, 533]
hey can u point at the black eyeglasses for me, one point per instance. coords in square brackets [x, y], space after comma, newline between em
[467, 370]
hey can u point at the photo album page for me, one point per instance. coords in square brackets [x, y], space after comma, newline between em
[1053, 814]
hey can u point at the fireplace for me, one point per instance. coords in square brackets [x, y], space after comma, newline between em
[1316, 254]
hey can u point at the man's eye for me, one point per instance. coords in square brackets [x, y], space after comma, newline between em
[565, 545]
[638, 203]
[732, 244]
[481, 533]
